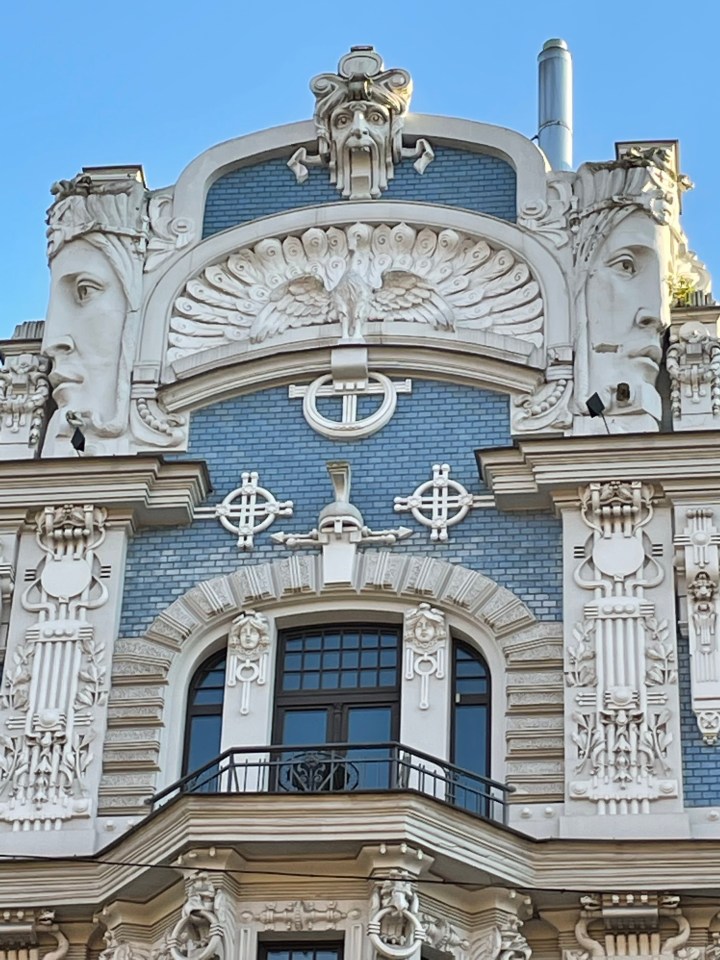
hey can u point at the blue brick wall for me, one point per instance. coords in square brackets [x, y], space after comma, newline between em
[458, 178]
[267, 432]
[701, 764]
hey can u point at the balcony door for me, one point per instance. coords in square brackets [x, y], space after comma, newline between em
[337, 685]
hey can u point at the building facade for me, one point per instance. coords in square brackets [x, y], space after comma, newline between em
[359, 551]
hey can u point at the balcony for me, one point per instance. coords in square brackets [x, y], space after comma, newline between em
[343, 768]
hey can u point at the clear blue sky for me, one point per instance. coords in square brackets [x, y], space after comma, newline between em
[157, 82]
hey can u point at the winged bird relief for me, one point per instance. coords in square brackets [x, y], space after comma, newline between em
[355, 276]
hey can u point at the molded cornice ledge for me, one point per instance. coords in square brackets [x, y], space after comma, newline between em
[145, 490]
[540, 473]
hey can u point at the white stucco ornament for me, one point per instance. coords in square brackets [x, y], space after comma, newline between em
[200, 933]
[355, 276]
[440, 503]
[340, 530]
[621, 662]
[395, 929]
[425, 640]
[248, 510]
[45, 757]
[348, 382]
[248, 648]
[24, 395]
[359, 117]
[693, 364]
[697, 545]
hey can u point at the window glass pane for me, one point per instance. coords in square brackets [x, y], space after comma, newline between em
[319, 655]
[204, 740]
[304, 727]
[471, 737]
[369, 724]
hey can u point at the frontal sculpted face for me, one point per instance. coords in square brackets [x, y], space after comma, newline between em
[84, 335]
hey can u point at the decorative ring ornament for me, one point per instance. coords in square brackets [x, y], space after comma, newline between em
[349, 427]
[391, 950]
[215, 937]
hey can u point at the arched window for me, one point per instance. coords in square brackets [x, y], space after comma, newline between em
[470, 722]
[203, 720]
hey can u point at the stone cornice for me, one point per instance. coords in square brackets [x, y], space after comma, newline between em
[143, 489]
[540, 472]
[261, 828]
[227, 377]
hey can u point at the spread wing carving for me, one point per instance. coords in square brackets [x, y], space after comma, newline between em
[360, 274]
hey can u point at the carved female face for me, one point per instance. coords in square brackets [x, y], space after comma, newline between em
[628, 309]
[83, 334]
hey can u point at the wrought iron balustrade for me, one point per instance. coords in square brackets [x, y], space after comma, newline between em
[343, 768]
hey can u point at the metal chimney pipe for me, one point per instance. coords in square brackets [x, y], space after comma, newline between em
[555, 104]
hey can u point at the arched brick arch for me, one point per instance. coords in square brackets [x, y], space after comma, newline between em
[524, 654]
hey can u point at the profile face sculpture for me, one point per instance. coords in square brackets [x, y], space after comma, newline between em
[95, 247]
[628, 310]
[83, 336]
[626, 242]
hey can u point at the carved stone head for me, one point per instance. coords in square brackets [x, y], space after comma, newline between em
[626, 243]
[96, 242]
[359, 114]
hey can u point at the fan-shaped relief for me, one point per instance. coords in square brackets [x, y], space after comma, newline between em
[353, 276]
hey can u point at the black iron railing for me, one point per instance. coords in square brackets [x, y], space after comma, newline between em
[343, 768]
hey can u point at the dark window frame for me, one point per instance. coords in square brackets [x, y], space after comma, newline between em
[470, 699]
[193, 709]
[336, 700]
[314, 942]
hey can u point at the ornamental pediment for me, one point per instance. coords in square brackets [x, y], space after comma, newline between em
[356, 277]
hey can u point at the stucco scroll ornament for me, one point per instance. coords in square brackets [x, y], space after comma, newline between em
[97, 236]
[199, 933]
[167, 234]
[24, 393]
[355, 276]
[693, 364]
[442, 935]
[44, 761]
[395, 929]
[626, 236]
[248, 648]
[425, 639]
[359, 117]
[20, 931]
[116, 949]
[621, 663]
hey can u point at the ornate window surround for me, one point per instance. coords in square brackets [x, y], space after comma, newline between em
[494, 616]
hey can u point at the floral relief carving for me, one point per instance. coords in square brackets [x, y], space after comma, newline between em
[47, 751]
[621, 661]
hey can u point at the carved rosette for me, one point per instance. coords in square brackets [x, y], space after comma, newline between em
[425, 641]
[395, 929]
[248, 649]
[697, 545]
[46, 753]
[24, 395]
[355, 276]
[621, 660]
